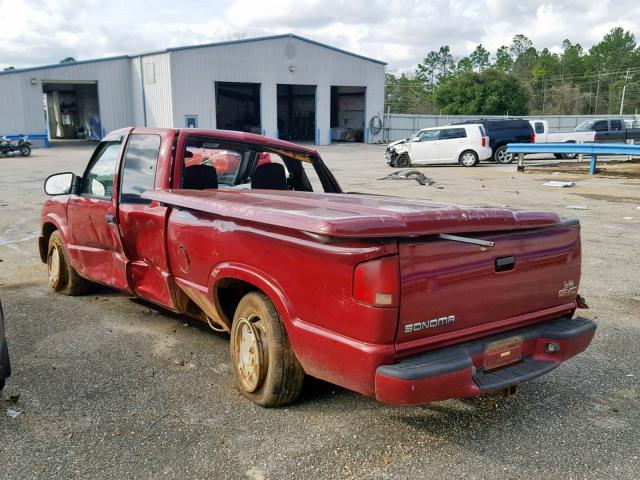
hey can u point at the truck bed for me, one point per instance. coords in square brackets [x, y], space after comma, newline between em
[351, 215]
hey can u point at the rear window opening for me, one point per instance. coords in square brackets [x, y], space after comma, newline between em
[212, 164]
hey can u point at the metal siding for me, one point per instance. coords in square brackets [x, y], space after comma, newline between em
[184, 84]
[398, 125]
[195, 71]
[157, 95]
[137, 92]
[22, 104]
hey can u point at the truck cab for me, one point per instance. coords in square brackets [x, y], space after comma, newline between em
[614, 130]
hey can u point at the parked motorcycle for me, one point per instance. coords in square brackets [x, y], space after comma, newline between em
[21, 147]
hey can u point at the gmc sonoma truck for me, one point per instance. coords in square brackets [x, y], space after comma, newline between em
[407, 301]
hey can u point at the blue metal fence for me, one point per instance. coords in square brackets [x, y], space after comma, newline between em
[592, 149]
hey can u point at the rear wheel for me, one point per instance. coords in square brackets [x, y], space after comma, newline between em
[502, 156]
[25, 151]
[569, 156]
[468, 158]
[403, 160]
[62, 276]
[557, 155]
[265, 369]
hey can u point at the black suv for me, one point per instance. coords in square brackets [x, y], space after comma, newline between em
[5, 365]
[504, 131]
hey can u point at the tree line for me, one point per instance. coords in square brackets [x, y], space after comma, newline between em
[522, 80]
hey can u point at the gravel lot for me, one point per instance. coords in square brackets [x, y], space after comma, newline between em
[112, 388]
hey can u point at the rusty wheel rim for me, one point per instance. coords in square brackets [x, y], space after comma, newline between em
[54, 266]
[249, 362]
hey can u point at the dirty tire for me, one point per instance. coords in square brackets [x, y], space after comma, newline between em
[501, 155]
[62, 276]
[557, 155]
[468, 158]
[403, 161]
[265, 369]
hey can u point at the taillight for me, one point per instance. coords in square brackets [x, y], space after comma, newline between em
[533, 137]
[377, 282]
[484, 141]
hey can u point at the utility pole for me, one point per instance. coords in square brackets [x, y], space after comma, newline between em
[624, 88]
[595, 110]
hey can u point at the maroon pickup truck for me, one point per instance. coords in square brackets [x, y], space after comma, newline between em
[407, 301]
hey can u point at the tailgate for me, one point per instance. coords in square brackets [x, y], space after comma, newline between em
[453, 291]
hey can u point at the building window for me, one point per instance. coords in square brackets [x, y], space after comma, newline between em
[150, 72]
[191, 121]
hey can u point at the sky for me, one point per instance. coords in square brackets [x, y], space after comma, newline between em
[39, 32]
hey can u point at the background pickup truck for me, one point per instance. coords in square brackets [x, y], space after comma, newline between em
[543, 135]
[610, 130]
[407, 301]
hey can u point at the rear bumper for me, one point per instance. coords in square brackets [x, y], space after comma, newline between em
[484, 153]
[457, 371]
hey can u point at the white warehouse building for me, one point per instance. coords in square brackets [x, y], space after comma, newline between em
[282, 86]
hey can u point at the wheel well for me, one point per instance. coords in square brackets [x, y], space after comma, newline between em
[47, 230]
[228, 293]
[465, 151]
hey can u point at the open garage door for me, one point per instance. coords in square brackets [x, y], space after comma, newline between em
[238, 106]
[347, 114]
[297, 112]
[72, 110]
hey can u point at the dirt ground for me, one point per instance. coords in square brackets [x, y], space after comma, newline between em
[108, 387]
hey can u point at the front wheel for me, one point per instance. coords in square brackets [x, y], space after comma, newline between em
[265, 369]
[25, 151]
[502, 156]
[63, 277]
[469, 158]
[403, 161]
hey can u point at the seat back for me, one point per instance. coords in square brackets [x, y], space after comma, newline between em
[270, 176]
[199, 177]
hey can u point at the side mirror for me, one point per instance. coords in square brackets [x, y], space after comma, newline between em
[416, 139]
[61, 184]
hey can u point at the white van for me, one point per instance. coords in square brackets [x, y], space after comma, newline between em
[464, 144]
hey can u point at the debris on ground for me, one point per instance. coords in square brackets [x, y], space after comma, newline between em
[558, 183]
[577, 207]
[13, 413]
[410, 174]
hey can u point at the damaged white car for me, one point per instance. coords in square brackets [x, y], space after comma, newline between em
[463, 144]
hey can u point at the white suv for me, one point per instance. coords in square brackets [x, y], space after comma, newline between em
[464, 144]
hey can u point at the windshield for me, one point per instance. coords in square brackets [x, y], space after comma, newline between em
[585, 126]
[413, 136]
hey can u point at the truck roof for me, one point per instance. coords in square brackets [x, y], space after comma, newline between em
[351, 215]
[226, 135]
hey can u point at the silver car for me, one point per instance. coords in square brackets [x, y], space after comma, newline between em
[5, 364]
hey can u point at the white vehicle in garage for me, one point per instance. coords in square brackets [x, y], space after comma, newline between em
[464, 144]
[543, 135]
